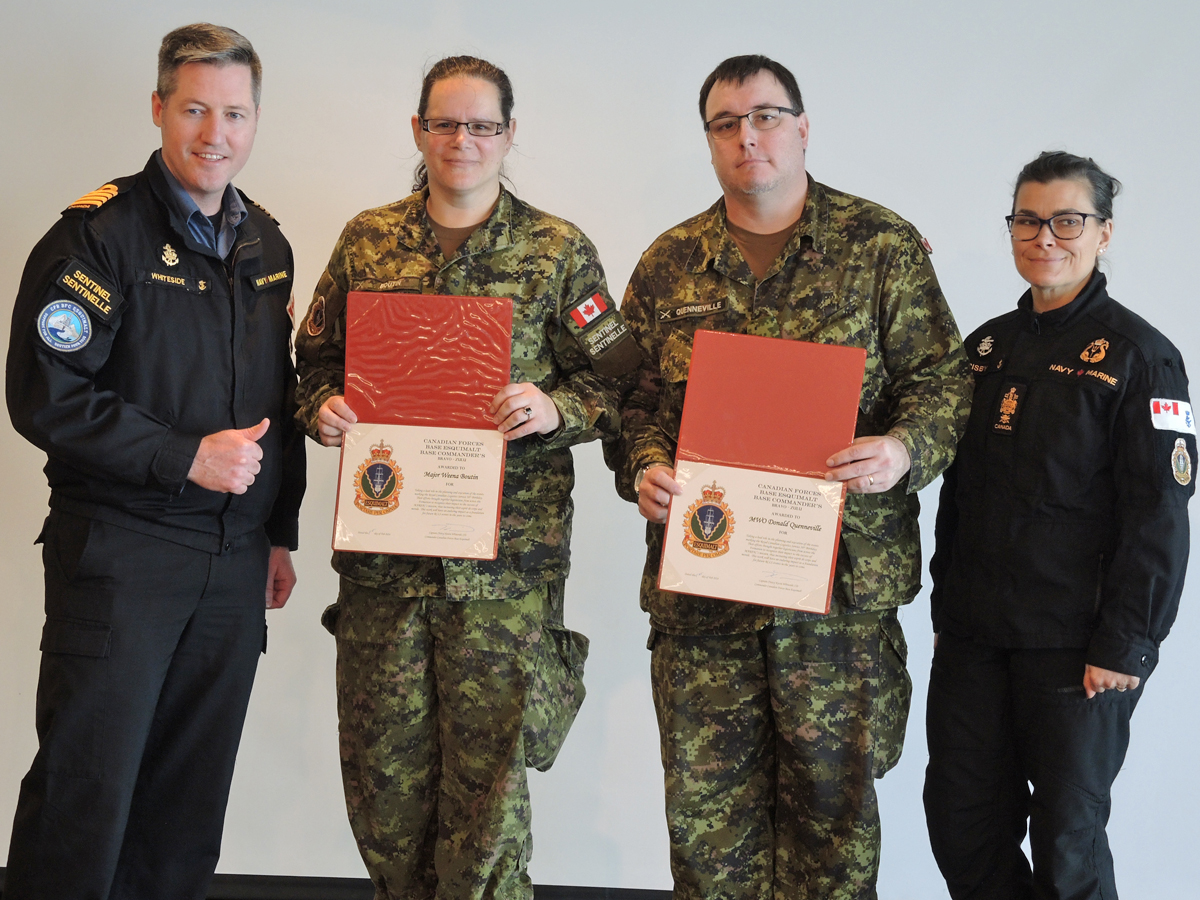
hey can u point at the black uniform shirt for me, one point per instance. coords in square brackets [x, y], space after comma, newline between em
[1063, 521]
[131, 341]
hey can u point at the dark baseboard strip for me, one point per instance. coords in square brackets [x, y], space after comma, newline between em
[288, 887]
[291, 887]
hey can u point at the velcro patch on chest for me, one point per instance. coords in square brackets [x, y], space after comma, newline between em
[1172, 415]
[409, 284]
[1008, 410]
[262, 282]
[183, 282]
[98, 295]
[693, 310]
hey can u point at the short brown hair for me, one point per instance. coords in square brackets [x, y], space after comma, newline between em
[205, 43]
[739, 69]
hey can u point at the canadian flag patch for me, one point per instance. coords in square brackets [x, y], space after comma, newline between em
[1172, 415]
[589, 310]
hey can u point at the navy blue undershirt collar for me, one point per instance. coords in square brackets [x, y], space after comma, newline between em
[233, 213]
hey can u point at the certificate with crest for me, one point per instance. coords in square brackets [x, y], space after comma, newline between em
[422, 471]
[757, 522]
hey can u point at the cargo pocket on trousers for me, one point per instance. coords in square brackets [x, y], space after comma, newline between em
[890, 719]
[555, 695]
[72, 695]
[76, 637]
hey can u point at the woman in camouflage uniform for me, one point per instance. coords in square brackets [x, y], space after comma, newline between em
[443, 663]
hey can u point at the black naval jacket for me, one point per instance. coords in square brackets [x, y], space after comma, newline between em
[1063, 521]
[177, 344]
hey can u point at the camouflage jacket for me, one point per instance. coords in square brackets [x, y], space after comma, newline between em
[548, 267]
[855, 274]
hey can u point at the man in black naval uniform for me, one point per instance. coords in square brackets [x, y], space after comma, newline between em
[150, 359]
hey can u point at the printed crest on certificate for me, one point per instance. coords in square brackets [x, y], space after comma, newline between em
[779, 550]
[420, 490]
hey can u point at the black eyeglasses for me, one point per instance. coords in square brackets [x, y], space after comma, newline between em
[449, 126]
[1065, 226]
[762, 119]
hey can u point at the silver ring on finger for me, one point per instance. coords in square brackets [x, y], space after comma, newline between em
[528, 413]
[870, 480]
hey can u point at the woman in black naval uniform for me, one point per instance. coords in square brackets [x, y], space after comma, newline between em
[1062, 540]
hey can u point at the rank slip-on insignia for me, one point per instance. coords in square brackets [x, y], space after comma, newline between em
[96, 198]
[378, 482]
[169, 256]
[1181, 463]
[708, 524]
[985, 346]
[1094, 352]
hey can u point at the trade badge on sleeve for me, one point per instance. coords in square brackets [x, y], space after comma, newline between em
[985, 346]
[64, 325]
[1181, 463]
[1094, 352]
[1172, 415]
[708, 524]
[378, 482]
[316, 317]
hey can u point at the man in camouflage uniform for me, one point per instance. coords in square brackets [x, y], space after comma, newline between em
[454, 673]
[775, 723]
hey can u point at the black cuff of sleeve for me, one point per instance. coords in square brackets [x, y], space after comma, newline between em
[173, 461]
[1129, 658]
[284, 534]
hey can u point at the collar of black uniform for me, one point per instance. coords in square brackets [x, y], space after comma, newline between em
[1095, 291]
[154, 172]
[714, 245]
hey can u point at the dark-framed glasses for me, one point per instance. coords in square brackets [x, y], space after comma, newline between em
[1064, 226]
[762, 119]
[449, 126]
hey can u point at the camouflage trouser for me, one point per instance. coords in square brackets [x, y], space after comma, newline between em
[441, 705]
[771, 742]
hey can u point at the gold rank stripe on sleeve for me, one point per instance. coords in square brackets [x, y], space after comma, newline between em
[96, 198]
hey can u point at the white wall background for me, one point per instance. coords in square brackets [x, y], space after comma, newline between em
[928, 107]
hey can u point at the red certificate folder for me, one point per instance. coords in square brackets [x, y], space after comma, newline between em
[769, 403]
[426, 359]
[421, 371]
[772, 406]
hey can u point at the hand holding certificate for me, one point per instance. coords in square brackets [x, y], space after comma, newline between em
[422, 469]
[757, 522]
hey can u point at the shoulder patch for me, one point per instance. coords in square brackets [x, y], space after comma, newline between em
[96, 198]
[99, 296]
[1172, 415]
[921, 239]
[64, 325]
[601, 332]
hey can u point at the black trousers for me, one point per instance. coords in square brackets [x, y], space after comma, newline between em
[1013, 739]
[148, 656]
